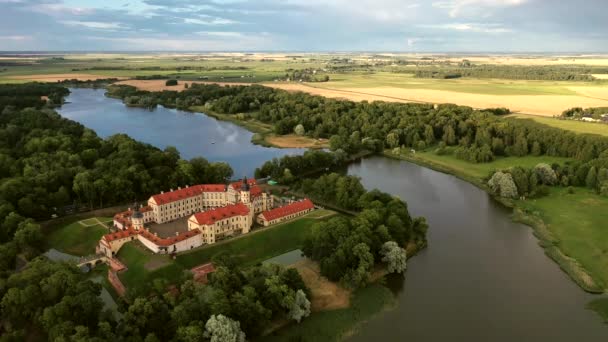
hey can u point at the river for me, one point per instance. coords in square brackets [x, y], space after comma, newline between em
[482, 278]
[193, 134]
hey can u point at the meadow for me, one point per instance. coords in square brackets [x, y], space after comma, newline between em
[569, 125]
[80, 237]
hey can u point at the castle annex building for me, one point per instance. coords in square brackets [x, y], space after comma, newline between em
[213, 212]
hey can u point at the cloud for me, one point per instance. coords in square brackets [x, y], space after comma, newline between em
[209, 21]
[458, 8]
[471, 27]
[334, 25]
[94, 24]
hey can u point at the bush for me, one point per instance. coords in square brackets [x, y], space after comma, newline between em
[171, 83]
[542, 191]
[570, 190]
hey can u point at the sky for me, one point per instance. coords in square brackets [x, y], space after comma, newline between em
[514, 26]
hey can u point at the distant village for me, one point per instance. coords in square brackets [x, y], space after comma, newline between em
[198, 215]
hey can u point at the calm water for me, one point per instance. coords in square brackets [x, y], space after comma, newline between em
[482, 278]
[194, 135]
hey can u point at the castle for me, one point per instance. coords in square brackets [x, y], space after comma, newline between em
[214, 211]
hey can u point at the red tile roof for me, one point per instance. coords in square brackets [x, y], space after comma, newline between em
[289, 209]
[119, 235]
[213, 215]
[255, 191]
[188, 192]
[170, 240]
[237, 185]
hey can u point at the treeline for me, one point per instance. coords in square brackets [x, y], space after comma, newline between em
[578, 112]
[478, 136]
[512, 72]
[20, 96]
[305, 75]
[348, 248]
[518, 181]
[159, 68]
[56, 302]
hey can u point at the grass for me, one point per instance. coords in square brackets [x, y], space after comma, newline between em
[251, 125]
[256, 246]
[76, 239]
[464, 85]
[251, 248]
[569, 125]
[578, 222]
[336, 324]
[600, 306]
[135, 256]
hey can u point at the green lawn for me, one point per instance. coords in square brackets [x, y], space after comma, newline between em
[579, 221]
[77, 239]
[135, 257]
[569, 125]
[333, 325]
[256, 246]
[251, 248]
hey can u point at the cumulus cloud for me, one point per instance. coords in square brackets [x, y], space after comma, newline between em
[437, 25]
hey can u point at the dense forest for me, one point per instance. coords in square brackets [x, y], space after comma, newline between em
[512, 72]
[473, 135]
[347, 248]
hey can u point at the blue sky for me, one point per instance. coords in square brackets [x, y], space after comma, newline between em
[305, 25]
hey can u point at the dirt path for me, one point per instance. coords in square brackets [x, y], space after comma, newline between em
[326, 295]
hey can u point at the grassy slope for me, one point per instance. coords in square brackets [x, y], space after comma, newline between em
[136, 257]
[256, 247]
[601, 307]
[569, 125]
[578, 221]
[77, 239]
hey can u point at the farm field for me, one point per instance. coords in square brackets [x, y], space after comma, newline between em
[379, 83]
[80, 237]
[570, 125]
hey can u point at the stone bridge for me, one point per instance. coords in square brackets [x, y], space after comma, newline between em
[91, 260]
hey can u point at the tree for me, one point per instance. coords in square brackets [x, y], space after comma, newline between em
[591, 179]
[502, 184]
[300, 307]
[545, 173]
[299, 130]
[220, 328]
[394, 256]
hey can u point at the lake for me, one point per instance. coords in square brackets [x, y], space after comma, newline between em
[482, 277]
[193, 134]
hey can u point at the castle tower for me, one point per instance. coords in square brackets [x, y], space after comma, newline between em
[137, 219]
[245, 192]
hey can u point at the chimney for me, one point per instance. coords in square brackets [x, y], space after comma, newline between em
[171, 190]
[187, 186]
[176, 233]
[156, 234]
[179, 188]
[129, 209]
[162, 192]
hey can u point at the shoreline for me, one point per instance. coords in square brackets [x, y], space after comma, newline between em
[540, 229]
